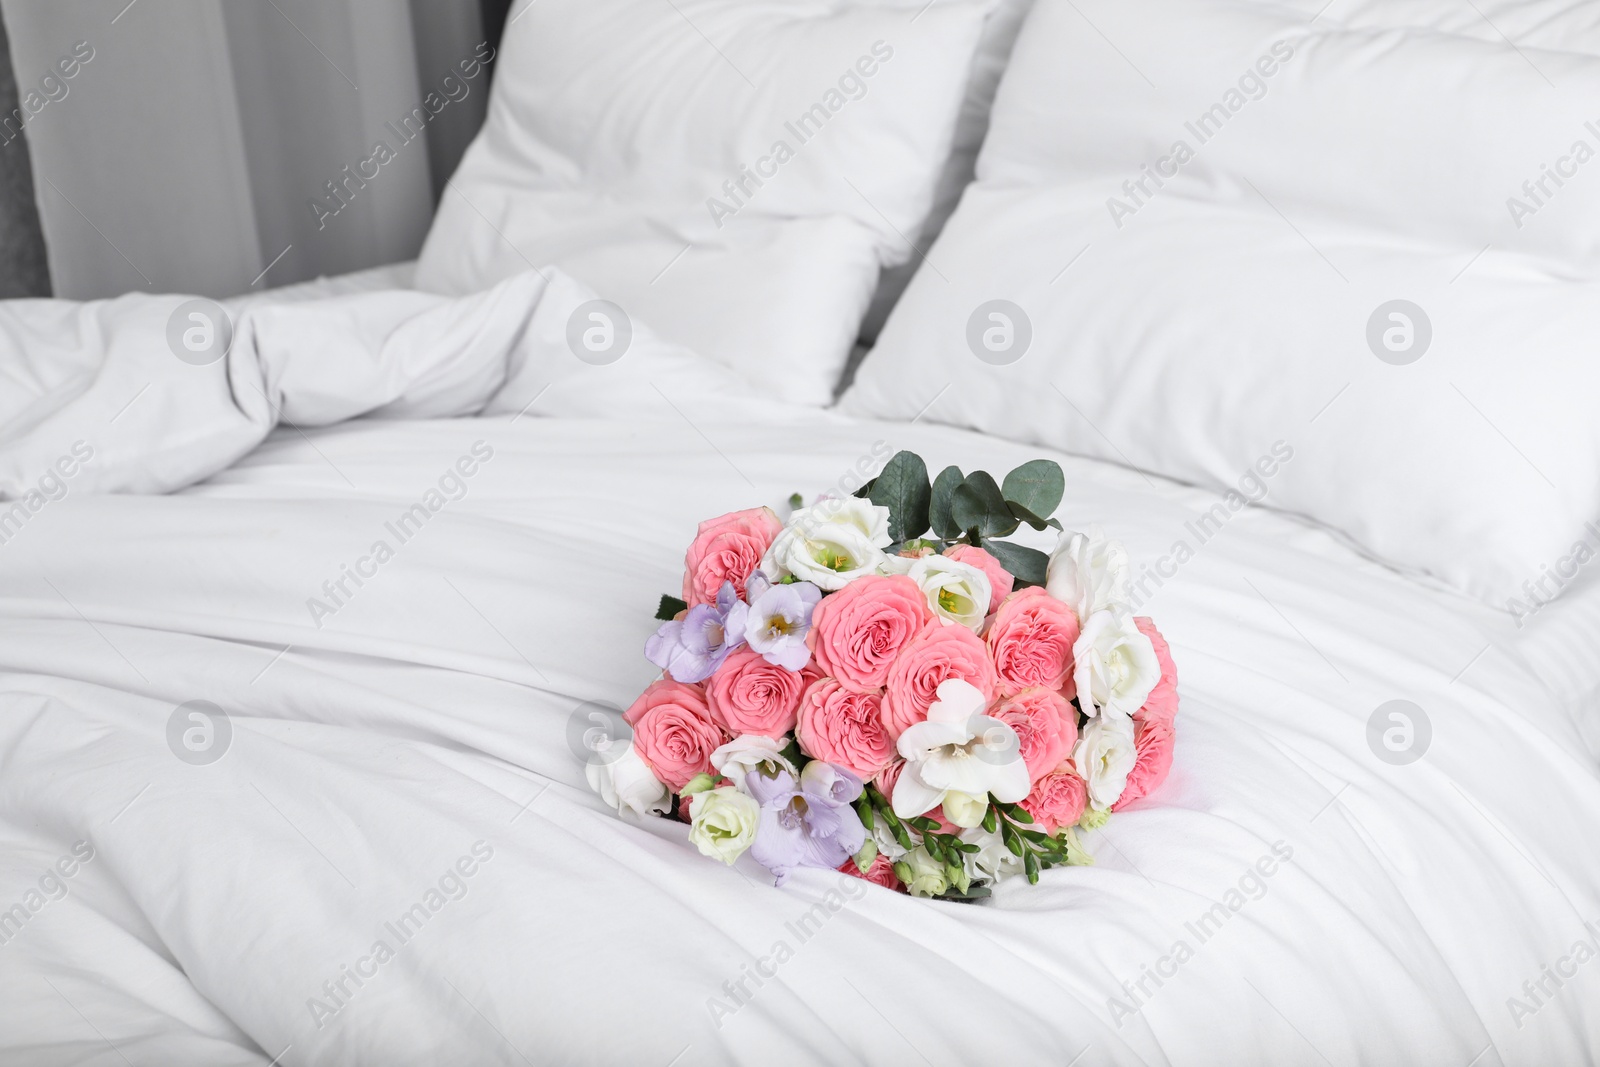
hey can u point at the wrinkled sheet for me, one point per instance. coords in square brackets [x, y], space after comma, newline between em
[1331, 907]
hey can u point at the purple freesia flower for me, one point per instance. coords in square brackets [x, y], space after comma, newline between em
[779, 619]
[690, 649]
[806, 824]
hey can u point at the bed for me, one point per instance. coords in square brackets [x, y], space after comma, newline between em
[1290, 897]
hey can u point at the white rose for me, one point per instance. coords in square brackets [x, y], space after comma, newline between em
[956, 591]
[745, 753]
[830, 556]
[1090, 572]
[722, 823]
[1103, 758]
[1114, 665]
[627, 783]
[871, 519]
[922, 875]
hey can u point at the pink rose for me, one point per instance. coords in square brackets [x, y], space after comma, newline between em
[939, 651]
[1153, 747]
[1046, 725]
[844, 728]
[1031, 639]
[888, 777]
[673, 732]
[1000, 579]
[1057, 800]
[880, 873]
[666, 691]
[727, 549]
[857, 632]
[748, 695]
[1162, 703]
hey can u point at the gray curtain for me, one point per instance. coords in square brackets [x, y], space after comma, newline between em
[23, 267]
[215, 146]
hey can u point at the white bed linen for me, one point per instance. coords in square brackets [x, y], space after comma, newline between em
[432, 711]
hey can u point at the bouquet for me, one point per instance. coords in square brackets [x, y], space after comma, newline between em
[883, 686]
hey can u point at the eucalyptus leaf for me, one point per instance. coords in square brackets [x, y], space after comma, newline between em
[966, 508]
[902, 487]
[997, 520]
[944, 488]
[1028, 565]
[1029, 517]
[1037, 485]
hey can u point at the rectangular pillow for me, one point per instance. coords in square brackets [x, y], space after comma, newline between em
[1319, 285]
[733, 173]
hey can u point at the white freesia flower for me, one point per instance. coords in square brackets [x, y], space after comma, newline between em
[956, 591]
[627, 783]
[871, 519]
[1090, 572]
[722, 823]
[964, 809]
[1114, 666]
[993, 860]
[746, 753]
[829, 555]
[1104, 756]
[884, 838]
[959, 749]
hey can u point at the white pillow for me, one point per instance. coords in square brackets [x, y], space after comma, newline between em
[1220, 326]
[636, 144]
[1411, 130]
[994, 51]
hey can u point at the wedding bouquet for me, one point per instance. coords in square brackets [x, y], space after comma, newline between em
[882, 686]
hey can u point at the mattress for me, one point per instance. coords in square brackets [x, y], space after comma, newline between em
[1291, 895]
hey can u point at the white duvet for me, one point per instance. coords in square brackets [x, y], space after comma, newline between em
[396, 860]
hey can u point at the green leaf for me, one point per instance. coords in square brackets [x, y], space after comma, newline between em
[865, 491]
[944, 488]
[669, 607]
[1037, 486]
[902, 487]
[1028, 565]
[997, 520]
[990, 820]
[1030, 864]
[966, 507]
[1029, 517]
[795, 501]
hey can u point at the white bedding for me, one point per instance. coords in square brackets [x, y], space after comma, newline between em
[431, 711]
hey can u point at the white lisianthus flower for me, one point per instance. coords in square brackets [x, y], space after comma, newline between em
[1103, 758]
[1114, 666]
[993, 860]
[956, 591]
[627, 783]
[1089, 571]
[958, 749]
[871, 519]
[722, 823]
[749, 752]
[829, 555]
